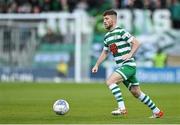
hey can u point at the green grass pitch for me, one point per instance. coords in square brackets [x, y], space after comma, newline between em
[89, 103]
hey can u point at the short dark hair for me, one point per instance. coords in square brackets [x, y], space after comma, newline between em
[109, 12]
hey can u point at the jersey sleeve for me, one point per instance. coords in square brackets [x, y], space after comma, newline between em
[126, 36]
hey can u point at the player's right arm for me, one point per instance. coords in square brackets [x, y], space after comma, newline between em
[101, 58]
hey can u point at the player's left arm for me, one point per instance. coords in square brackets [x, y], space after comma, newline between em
[134, 47]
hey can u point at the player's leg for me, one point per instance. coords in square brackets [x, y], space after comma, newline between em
[119, 75]
[116, 91]
[136, 91]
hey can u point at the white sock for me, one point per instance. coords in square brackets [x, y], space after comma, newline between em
[147, 101]
[118, 95]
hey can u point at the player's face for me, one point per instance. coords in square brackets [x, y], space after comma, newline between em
[108, 22]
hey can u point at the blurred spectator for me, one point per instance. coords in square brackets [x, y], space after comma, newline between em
[24, 8]
[71, 5]
[52, 37]
[141, 4]
[24, 36]
[3, 6]
[46, 5]
[150, 4]
[160, 59]
[36, 9]
[35, 6]
[94, 7]
[175, 14]
[135, 4]
[62, 69]
[56, 5]
[82, 5]
[102, 5]
[129, 4]
[64, 4]
[12, 7]
[34, 2]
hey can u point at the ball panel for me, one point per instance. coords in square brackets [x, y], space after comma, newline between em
[61, 107]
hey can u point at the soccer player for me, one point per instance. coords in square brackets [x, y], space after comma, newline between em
[123, 46]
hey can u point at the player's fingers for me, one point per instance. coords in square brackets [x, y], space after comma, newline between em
[94, 70]
[123, 58]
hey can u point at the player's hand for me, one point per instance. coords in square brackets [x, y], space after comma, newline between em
[127, 56]
[95, 69]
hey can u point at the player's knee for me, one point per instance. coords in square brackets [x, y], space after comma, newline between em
[110, 81]
[135, 92]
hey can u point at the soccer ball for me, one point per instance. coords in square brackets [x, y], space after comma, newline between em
[61, 107]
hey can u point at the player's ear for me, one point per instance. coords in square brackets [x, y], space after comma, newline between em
[113, 17]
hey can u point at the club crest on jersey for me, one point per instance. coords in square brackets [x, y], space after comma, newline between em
[113, 48]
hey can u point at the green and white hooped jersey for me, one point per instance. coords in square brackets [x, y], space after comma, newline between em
[118, 42]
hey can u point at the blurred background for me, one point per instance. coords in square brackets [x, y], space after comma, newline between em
[60, 40]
